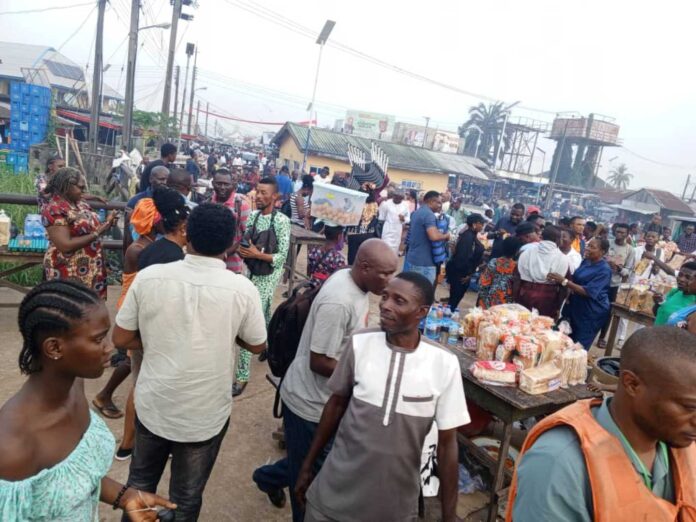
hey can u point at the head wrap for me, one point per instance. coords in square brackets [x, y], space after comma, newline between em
[145, 216]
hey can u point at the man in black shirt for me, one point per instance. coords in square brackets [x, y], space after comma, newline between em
[506, 225]
[168, 153]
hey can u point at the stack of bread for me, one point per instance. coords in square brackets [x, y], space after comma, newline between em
[523, 340]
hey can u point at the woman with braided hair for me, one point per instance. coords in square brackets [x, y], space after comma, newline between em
[54, 451]
[75, 250]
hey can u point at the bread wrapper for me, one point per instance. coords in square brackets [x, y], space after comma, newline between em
[552, 346]
[573, 366]
[542, 323]
[489, 338]
[471, 321]
[495, 373]
[542, 379]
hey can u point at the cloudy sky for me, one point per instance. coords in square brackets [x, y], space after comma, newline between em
[631, 60]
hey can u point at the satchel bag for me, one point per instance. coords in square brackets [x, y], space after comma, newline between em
[267, 242]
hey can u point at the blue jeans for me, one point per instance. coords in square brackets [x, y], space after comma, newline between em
[427, 271]
[192, 463]
[283, 473]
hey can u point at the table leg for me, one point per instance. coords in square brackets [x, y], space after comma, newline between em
[612, 335]
[293, 264]
[499, 477]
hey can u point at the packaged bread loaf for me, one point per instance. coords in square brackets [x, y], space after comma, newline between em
[552, 345]
[573, 366]
[542, 379]
[541, 323]
[471, 322]
[494, 372]
[489, 338]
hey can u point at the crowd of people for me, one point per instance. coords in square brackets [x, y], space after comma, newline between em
[357, 402]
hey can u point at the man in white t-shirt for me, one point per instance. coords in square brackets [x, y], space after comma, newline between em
[388, 388]
[566, 246]
[340, 308]
[187, 317]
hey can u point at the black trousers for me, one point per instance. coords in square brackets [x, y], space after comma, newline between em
[192, 463]
[613, 292]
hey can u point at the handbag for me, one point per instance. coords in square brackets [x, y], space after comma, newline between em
[267, 242]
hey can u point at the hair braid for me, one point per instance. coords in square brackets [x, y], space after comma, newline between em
[62, 179]
[52, 306]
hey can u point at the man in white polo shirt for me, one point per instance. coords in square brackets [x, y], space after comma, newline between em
[187, 316]
[388, 388]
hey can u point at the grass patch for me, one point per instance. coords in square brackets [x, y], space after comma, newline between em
[29, 277]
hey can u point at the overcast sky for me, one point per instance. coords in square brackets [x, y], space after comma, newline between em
[628, 59]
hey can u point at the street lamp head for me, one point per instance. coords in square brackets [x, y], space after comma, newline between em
[156, 26]
[201, 89]
[325, 32]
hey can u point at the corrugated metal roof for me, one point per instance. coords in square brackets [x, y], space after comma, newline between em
[16, 56]
[332, 144]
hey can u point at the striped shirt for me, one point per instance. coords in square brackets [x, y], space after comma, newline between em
[236, 203]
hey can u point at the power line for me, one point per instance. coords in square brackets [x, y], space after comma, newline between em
[27, 11]
[656, 162]
[89, 15]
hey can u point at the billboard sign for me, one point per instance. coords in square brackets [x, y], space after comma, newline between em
[369, 125]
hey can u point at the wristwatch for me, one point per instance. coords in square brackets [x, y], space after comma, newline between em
[564, 282]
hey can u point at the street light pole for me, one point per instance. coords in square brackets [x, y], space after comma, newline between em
[425, 134]
[321, 40]
[97, 80]
[166, 98]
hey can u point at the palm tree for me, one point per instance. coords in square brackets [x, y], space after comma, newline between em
[485, 123]
[620, 178]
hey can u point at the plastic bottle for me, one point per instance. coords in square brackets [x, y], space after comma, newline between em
[440, 311]
[5, 228]
[432, 325]
[453, 336]
[447, 313]
[33, 229]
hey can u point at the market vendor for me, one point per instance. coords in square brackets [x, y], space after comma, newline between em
[630, 457]
[588, 306]
[677, 298]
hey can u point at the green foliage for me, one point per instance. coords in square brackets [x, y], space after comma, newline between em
[620, 178]
[19, 184]
[152, 123]
[486, 123]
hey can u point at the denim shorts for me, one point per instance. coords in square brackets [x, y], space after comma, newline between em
[427, 271]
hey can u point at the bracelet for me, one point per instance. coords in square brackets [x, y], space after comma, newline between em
[119, 496]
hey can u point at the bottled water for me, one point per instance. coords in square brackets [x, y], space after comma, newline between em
[453, 336]
[432, 325]
[33, 229]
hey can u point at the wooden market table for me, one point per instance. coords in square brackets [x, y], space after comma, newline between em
[299, 236]
[27, 260]
[618, 312]
[508, 404]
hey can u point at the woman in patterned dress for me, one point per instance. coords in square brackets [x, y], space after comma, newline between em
[74, 231]
[495, 283]
[324, 260]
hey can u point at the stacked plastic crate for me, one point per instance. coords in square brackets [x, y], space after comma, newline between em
[30, 107]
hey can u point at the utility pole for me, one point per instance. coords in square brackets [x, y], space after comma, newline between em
[207, 111]
[554, 174]
[97, 79]
[686, 185]
[425, 134]
[130, 74]
[176, 91]
[189, 52]
[166, 98]
[198, 113]
[193, 91]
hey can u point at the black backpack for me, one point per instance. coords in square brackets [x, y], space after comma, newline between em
[287, 323]
[286, 208]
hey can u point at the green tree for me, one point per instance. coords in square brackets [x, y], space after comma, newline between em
[486, 122]
[152, 123]
[619, 177]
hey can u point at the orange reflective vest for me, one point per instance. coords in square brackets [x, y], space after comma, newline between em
[618, 492]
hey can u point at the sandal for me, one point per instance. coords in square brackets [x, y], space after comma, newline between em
[110, 411]
[602, 343]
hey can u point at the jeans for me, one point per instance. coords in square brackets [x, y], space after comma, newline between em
[427, 271]
[192, 463]
[298, 438]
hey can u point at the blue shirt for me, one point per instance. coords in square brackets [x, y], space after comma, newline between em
[284, 185]
[132, 202]
[419, 246]
[552, 478]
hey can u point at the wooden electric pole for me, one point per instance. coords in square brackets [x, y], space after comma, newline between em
[130, 75]
[198, 113]
[193, 91]
[176, 92]
[166, 98]
[97, 79]
[207, 111]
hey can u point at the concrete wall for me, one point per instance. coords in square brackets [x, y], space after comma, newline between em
[289, 151]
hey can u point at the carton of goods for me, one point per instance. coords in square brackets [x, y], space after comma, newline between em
[573, 366]
[337, 205]
[552, 345]
[495, 373]
[488, 341]
[542, 379]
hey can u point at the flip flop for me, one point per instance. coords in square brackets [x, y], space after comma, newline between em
[601, 343]
[110, 411]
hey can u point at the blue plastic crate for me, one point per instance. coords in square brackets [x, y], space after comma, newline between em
[21, 159]
[36, 137]
[21, 169]
[37, 127]
[11, 158]
[37, 110]
[15, 89]
[15, 106]
[15, 95]
[25, 88]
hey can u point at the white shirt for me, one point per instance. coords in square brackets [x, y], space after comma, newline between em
[539, 260]
[237, 162]
[189, 313]
[574, 260]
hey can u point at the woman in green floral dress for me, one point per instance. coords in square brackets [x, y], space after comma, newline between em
[259, 221]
